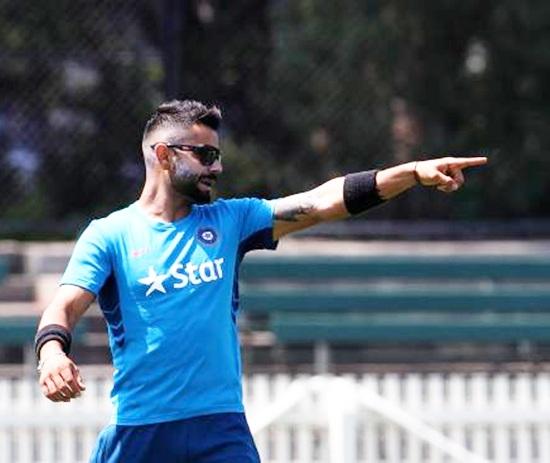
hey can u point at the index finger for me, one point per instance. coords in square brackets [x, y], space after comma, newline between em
[461, 163]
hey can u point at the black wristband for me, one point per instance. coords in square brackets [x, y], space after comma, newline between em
[360, 192]
[51, 332]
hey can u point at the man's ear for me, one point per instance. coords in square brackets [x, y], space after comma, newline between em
[162, 152]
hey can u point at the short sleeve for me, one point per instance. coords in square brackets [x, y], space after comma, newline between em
[256, 224]
[90, 263]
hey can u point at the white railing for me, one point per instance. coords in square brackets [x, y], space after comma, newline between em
[388, 418]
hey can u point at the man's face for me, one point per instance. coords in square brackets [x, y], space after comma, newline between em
[188, 175]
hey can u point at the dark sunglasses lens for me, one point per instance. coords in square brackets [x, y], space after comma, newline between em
[208, 154]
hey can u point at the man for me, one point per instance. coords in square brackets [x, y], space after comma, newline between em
[164, 272]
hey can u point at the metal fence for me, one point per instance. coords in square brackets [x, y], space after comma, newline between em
[310, 89]
[410, 418]
[76, 82]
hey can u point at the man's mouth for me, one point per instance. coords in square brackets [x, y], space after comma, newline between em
[207, 181]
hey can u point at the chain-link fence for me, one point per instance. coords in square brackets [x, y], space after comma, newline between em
[76, 82]
[310, 89]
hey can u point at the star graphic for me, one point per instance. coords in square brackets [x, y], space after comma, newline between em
[155, 281]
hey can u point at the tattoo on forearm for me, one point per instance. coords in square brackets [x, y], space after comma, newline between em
[294, 210]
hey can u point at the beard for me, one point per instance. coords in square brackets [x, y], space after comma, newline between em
[185, 182]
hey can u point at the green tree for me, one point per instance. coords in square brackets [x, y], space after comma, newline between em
[76, 75]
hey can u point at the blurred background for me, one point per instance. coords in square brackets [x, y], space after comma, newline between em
[429, 315]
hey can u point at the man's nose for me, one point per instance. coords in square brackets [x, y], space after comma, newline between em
[216, 167]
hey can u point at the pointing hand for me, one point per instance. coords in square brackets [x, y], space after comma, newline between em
[445, 173]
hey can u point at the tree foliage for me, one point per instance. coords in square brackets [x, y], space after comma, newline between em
[340, 86]
[310, 89]
[74, 78]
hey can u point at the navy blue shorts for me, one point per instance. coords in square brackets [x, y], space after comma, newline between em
[217, 438]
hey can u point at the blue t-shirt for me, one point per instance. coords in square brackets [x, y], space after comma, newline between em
[169, 294]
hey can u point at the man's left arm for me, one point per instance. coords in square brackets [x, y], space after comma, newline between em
[342, 197]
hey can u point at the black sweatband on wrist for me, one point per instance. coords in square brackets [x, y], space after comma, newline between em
[53, 332]
[360, 192]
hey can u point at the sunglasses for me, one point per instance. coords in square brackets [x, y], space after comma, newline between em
[206, 154]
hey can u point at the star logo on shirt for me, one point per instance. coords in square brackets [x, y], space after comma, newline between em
[154, 281]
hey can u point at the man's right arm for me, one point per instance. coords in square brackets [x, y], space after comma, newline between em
[60, 379]
[329, 202]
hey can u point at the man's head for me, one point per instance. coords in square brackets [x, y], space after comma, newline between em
[180, 140]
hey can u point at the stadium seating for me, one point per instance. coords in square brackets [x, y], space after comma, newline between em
[342, 299]
[19, 310]
[3, 267]
[400, 298]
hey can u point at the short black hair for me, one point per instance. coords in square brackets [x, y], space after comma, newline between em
[184, 113]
